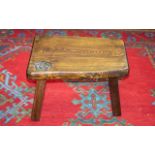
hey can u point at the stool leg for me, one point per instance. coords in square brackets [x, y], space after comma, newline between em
[114, 93]
[38, 98]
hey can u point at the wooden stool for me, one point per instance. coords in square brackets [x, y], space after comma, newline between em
[76, 58]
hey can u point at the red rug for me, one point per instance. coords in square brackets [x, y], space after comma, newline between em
[69, 103]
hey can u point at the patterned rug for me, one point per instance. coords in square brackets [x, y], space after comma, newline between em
[72, 103]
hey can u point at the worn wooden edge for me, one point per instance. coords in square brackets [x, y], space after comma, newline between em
[128, 67]
[77, 75]
[27, 69]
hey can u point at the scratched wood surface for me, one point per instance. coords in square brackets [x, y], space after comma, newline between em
[75, 58]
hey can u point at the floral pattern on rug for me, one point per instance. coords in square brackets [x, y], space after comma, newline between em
[95, 104]
[15, 98]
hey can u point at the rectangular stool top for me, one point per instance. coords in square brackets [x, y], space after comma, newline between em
[75, 58]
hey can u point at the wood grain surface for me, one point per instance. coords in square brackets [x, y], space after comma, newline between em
[76, 58]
